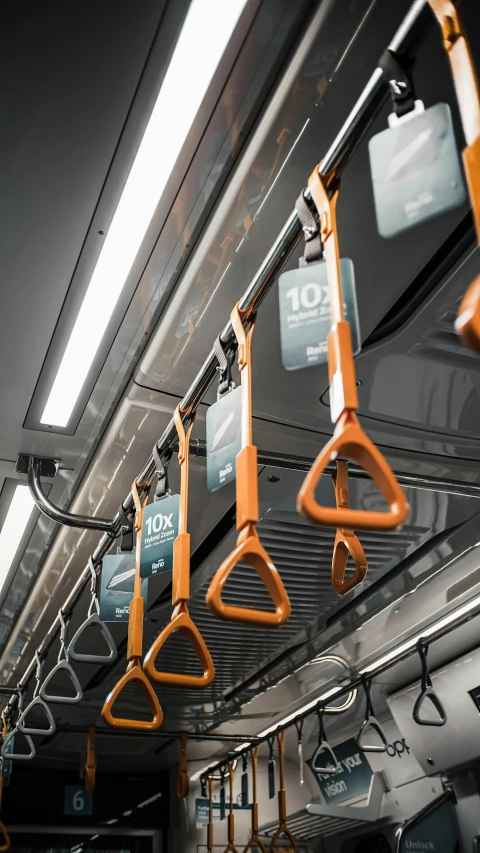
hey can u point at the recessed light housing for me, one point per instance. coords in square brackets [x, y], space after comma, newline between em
[205, 34]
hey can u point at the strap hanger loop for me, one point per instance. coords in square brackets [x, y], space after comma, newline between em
[371, 724]
[90, 765]
[254, 838]
[348, 438]
[230, 848]
[346, 543]
[62, 666]
[282, 805]
[324, 759]
[249, 548]
[93, 620]
[183, 782]
[37, 702]
[134, 671]
[427, 692]
[181, 620]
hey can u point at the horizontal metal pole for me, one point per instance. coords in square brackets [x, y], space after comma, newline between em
[61, 516]
[274, 459]
[103, 731]
[335, 160]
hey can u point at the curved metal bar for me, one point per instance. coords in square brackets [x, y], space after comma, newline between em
[60, 515]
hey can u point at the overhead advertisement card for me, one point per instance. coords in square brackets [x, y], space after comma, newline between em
[159, 531]
[305, 321]
[224, 439]
[116, 588]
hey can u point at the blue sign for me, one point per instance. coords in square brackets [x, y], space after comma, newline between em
[433, 829]
[77, 801]
[352, 778]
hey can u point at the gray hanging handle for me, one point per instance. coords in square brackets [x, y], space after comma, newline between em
[371, 724]
[62, 664]
[93, 618]
[36, 702]
[17, 756]
[324, 751]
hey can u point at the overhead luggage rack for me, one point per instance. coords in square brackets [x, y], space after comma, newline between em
[319, 819]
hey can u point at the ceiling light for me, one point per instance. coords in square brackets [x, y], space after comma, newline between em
[16, 520]
[205, 34]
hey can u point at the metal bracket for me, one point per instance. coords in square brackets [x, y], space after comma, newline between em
[36, 467]
[369, 813]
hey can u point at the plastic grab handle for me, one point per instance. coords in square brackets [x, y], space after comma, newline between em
[182, 622]
[6, 838]
[346, 543]
[34, 730]
[135, 674]
[350, 440]
[250, 550]
[283, 829]
[82, 657]
[90, 768]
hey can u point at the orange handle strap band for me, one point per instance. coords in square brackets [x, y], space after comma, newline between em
[210, 815]
[249, 548]
[181, 620]
[230, 848]
[348, 438]
[282, 805]
[5, 728]
[346, 542]
[255, 838]
[183, 782]
[90, 764]
[134, 671]
[6, 838]
[468, 96]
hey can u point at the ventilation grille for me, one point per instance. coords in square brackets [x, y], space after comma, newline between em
[302, 554]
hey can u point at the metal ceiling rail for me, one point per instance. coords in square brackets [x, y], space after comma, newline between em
[334, 161]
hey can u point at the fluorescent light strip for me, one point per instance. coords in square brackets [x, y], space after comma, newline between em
[16, 520]
[206, 32]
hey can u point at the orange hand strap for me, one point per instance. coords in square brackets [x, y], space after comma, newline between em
[348, 438]
[181, 620]
[90, 765]
[134, 671]
[4, 724]
[6, 838]
[468, 96]
[210, 815]
[282, 804]
[3, 831]
[183, 782]
[249, 548]
[255, 838]
[230, 848]
[346, 542]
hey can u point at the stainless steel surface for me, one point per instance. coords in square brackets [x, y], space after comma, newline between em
[58, 514]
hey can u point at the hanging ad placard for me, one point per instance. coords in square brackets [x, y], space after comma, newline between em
[116, 588]
[305, 321]
[159, 531]
[224, 439]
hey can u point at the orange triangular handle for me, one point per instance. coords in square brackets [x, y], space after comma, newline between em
[181, 621]
[349, 440]
[346, 542]
[250, 550]
[344, 547]
[135, 674]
